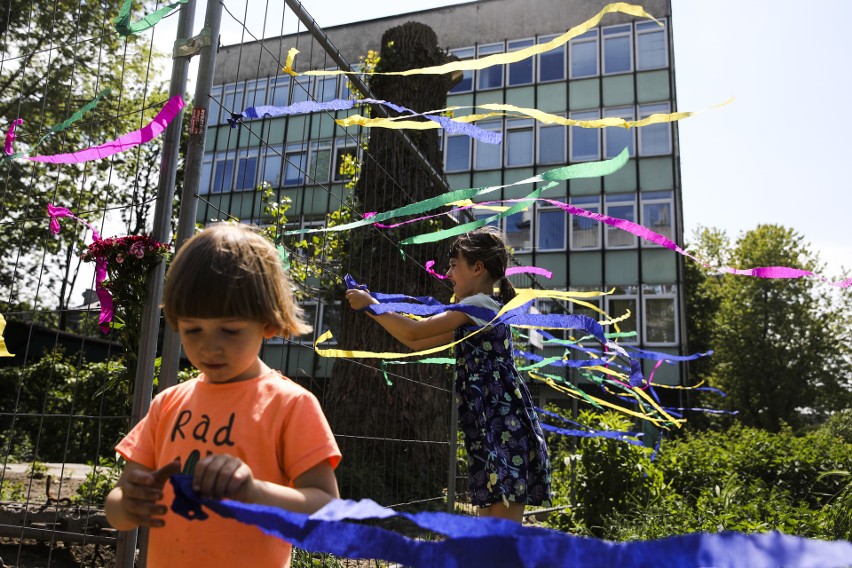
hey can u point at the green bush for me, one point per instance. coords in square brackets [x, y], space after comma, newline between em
[99, 482]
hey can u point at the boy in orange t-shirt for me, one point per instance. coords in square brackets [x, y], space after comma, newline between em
[242, 430]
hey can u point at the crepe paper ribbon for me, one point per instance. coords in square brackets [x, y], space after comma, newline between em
[63, 125]
[4, 351]
[704, 410]
[10, 136]
[577, 424]
[500, 58]
[288, 63]
[619, 436]
[426, 361]
[104, 297]
[338, 529]
[575, 171]
[303, 107]
[513, 313]
[509, 271]
[130, 140]
[125, 28]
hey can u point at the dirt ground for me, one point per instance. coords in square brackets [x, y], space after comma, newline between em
[58, 484]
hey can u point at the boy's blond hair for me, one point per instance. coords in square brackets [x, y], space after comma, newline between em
[230, 271]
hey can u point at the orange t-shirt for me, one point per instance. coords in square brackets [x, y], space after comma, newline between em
[271, 423]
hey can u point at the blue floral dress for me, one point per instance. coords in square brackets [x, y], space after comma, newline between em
[507, 454]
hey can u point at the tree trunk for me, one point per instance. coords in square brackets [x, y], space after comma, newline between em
[383, 427]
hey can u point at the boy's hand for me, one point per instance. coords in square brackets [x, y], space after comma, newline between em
[142, 490]
[222, 476]
[360, 299]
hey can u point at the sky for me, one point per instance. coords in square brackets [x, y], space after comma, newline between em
[775, 154]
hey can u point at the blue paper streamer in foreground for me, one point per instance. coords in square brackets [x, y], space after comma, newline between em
[500, 543]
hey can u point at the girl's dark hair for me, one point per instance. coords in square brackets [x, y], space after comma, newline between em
[487, 246]
[230, 271]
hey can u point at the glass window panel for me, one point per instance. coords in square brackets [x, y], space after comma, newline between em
[660, 320]
[294, 168]
[584, 55]
[585, 142]
[551, 144]
[320, 162]
[617, 138]
[490, 77]
[617, 238]
[255, 96]
[458, 153]
[229, 104]
[339, 152]
[272, 168]
[517, 229]
[466, 84]
[326, 89]
[585, 232]
[488, 156]
[246, 172]
[480, 214]
[281, 92]
[301, 87]
[551, 64]
[654, 139]
[521, 72]
[658, 218]
[650, 46]
[617, 307]
[519, 145]
[617, 56]
[224, 176]
[551, 229]
[204, 181]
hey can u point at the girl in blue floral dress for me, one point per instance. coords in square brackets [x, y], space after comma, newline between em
[507, 456]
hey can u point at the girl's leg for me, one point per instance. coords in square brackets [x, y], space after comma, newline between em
[514, 512]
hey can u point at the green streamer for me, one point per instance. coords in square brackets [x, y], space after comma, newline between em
[125, 28]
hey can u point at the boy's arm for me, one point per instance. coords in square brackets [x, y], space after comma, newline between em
[133, 502]
[224, 476]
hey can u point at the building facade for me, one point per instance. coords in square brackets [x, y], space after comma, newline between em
[623, 68]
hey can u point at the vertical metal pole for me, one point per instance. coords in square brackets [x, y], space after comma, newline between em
[192, 173]
[144, 380]
[454, 436]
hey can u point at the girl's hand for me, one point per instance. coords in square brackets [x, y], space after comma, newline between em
[222, 476]
[360, 299]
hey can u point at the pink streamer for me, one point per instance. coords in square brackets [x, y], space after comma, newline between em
[129, 140]
[105, 298]
[10, 135]
[430, 264]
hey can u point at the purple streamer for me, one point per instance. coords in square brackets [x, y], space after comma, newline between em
[10, 136]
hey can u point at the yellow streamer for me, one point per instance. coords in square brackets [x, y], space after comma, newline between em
[288, 64]
[4, 351]
[513, 56]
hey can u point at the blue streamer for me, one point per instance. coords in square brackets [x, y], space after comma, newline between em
[499, 543]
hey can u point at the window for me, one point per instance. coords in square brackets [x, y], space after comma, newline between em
[271, 171]
[246, 172]
[581, 310]
[490, 77]
[657, 213]
[651, 52]
[232, 101]
[255, 94]
[325, 88]
[488, 156]
[659, 307]
[617, 305]
[622, 206]
[617, 138]
[585, 232]
[480, 213]
[309, 317]
[519, 142]
[551, 64]
[320, 162]
[280, 91]
[520, 72]
[517, 229]
[584, 55]
[466, 84]
[206, 173]
[329, 319]
[550, 228]
[342, 150]
[457, 155]
[223, 175]
[585, 142]
[617, 49]
[551, 144]
[301, 87]
[295, 164]
[654, 139]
